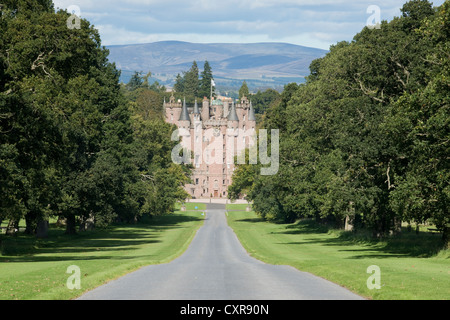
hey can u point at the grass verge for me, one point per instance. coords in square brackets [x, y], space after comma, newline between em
[409, 268]
[36, 269]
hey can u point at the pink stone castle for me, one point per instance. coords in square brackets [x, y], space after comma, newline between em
[213, 135]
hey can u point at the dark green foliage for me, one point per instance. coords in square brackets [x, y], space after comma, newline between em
[367, 135]
[243, 91]
[205, 88]
[72, 142]
[262, 100]
[191, 85]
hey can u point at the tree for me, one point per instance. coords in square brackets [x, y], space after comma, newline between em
[148, 104]
[243, 91]
[179, 84]
[72, 140]
[206, 81]
[261, 101]
[136, 81]
[191, 81]
[419, 121]
[364, 136]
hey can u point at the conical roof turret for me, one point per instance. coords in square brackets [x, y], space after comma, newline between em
[196, 113]
[251, 113]
[232, 116]
[184, 116]
[196, 109]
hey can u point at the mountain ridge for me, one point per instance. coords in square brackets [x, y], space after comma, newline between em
[264, 63]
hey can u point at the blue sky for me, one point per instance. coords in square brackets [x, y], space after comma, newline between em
[313, 23]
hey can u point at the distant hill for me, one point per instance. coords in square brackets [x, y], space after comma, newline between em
[260, 64]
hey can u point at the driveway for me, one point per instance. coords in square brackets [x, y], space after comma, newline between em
[216, 267]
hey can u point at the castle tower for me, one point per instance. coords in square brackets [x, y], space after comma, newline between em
[205, 109]
[185, 120]
[196, 113]
[233, 120]
[172, 110]
[251, 117]
[217, 106]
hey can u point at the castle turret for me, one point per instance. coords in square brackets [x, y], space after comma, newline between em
[205, 109]
[185, 120]
[233, 120]
[196, 113]
[217, 106]
[172, 109]
[251, 117]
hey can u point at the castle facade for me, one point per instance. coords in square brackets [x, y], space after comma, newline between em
[212, 135]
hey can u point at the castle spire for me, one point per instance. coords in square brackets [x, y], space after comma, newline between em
[184, 116]
[196, 112]
[232, 116]
[251, 113]
[196, 109]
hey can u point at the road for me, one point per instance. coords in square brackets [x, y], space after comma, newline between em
[216, 267]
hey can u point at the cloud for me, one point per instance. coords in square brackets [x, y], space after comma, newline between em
[305, 22]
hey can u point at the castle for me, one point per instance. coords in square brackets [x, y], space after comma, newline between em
[212, 135]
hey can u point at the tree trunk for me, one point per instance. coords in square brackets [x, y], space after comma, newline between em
[30, 222]
[42, 229]
[87, 223]
[70, 225]
[61, 222]
[446, 237]
[13, 227]
[397, 230]
[348, 224]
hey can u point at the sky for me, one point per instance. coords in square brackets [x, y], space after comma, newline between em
[311, 23]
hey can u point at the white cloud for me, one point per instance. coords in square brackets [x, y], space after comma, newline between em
[317, 23]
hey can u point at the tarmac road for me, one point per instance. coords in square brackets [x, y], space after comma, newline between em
[217, 267]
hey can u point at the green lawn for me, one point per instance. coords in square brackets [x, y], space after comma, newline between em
[36, 269]
[409, 266]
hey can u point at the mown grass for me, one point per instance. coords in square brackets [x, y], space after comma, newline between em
[411, 266]
[35, 269]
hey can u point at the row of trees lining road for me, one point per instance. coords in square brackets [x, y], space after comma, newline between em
[75, 144]
[366, 138]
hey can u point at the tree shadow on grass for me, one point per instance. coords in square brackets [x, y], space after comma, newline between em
[119, 237]
[250, 220]
[305, 227]
[406, 244]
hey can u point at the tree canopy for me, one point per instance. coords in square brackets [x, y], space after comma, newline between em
[192, 85]
[74, 144]
[367, 136]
